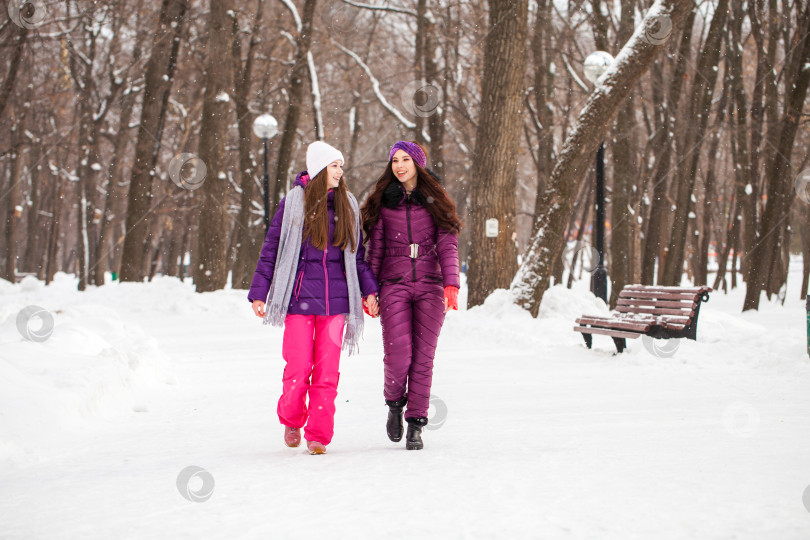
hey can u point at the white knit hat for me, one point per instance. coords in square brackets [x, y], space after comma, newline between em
[319, 155]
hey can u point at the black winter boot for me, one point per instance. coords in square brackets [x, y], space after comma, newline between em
[413, 440]
[394, 424]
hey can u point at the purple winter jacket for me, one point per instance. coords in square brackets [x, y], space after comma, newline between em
[406, 245]
[320, 278]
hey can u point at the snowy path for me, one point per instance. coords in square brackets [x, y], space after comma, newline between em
[542, 438]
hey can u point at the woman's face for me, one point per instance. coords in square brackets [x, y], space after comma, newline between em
[403, 166]
[334, 172]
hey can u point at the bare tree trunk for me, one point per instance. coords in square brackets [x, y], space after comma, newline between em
[173, 252]
[159, 75]
[745, 190]
[296, 93]
[247, 250]
[586, 211]
[624, 176]
[34, 234]
[772, 230]
[663, 151]
[732, 230]
[493, 260]
[600, 26]
[705, 230]
[543, 95]
[115, 198]
[804, 230]
[54, 232]
[113, 206]
[81, 69]
[19, 37]
[531, 280]
[437, 109]
[698, 115]
[211, 271]
[14, 208]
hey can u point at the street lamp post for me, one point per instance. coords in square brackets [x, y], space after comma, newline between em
[595, 65]
[265, 127]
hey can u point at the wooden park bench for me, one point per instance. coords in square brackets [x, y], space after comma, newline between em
[658, 312]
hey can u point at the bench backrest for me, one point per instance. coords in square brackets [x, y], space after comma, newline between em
[667, 301]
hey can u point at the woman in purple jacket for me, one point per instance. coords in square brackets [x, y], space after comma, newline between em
[412, 231]
[312, 278]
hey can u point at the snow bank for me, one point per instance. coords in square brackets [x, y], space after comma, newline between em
[94, 363]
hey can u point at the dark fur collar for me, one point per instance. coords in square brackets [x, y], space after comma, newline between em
[394, 193]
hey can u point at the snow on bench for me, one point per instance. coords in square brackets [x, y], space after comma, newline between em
[658, 312]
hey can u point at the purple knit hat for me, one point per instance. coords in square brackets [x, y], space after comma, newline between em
[412, 149]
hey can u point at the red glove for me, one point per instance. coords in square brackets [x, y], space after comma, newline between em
[451, 297]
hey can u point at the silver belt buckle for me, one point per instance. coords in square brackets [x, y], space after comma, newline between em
[414, 250]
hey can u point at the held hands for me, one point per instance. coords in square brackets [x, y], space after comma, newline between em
[258, 308]
[450, 298]
[371, 306]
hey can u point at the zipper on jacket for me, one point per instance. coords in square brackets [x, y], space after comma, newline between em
[326, 279]
[298, 287]
[410, 239]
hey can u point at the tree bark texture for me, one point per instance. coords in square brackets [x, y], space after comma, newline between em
[625, 173]
[295, 90]
[779, 174]
[544, 78]
[247, 250]
[13, 214]
[19, 37]
[698, 113]
[160, 70]
[665, 122]
[494, 170]
[211, 271]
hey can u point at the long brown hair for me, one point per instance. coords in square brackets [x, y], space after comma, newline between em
[316, 214]
[437, 202]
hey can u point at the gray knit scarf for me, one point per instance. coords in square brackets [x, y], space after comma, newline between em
[289, 247]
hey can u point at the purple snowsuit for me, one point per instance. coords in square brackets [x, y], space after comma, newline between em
[320, 279]
[413, 260]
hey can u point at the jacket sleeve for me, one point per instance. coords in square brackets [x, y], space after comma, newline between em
[368, 283]
[447, 246]
[263, 276]
[376, 248]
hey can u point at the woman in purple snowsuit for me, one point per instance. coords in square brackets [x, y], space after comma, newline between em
[412, 231]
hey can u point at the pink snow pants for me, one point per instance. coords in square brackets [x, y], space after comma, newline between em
[311, 349]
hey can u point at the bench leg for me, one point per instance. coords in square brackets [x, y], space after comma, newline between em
[621, 344]
[588, 339]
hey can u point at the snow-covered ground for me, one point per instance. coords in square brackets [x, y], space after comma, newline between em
[532, 435]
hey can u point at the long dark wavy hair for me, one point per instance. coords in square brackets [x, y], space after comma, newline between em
[430, 192]
[316, 214]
